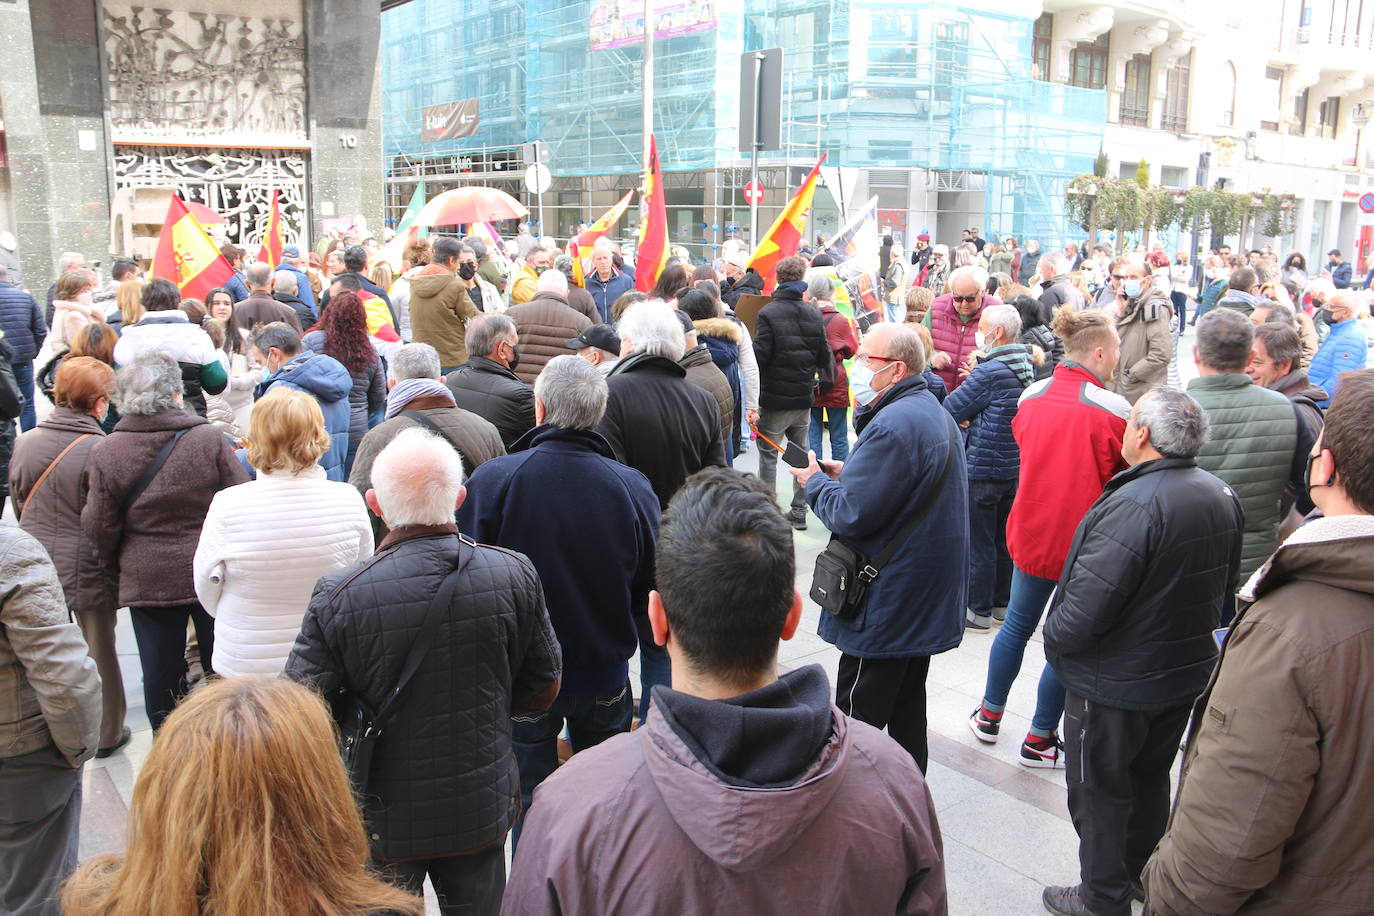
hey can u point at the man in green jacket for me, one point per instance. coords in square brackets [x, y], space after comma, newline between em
[1258, 444]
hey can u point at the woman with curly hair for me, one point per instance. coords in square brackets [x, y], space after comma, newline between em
[263, 822]
[341, 333]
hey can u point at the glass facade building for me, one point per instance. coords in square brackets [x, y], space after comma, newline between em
[931, 106]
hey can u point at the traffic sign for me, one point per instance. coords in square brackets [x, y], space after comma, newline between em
[753, 192]
[1367, 203]
[538, 178]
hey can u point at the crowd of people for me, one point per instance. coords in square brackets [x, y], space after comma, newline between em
[389, 543]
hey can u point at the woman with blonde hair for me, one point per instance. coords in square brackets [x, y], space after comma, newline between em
[129, 299]
[267, 542]
[242, 806]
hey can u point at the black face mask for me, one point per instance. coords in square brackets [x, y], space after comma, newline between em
[514, 357]
[467, 270]
[1326, 316]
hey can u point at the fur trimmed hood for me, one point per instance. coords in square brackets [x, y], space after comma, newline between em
[723, 328]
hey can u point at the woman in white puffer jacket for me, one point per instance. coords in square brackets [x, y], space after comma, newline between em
[267, 542]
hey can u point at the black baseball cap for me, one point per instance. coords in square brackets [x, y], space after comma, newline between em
[601, 336]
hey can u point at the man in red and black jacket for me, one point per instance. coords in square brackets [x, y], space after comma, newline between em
[1068, 428]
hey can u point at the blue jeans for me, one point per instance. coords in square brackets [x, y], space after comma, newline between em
[534, 739]
[836, 421]
[989, 571]
[23, 374]
[1029, 595]
[654, 666]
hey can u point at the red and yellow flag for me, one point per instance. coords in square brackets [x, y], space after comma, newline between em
[784, 237]
[187, 255]
[652, 250]
[271, 239]
[580, 246]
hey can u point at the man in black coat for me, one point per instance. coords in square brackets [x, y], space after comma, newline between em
[740, 279]
[443, 788]
[791, 348]
[1130, 636]
[488, 385]
[661, 425]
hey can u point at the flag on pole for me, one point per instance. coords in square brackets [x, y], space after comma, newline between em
[784, 237]
[855, 253]
[393, 252]
[580, 246]
[187, 255]
[270, 252]
[651, 252]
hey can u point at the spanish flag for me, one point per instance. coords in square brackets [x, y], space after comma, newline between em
[187, 256]
[784, 236]
[581, 245]
[272, 243]
[652, 249]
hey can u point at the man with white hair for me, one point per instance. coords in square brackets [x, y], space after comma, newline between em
[593, 544]
[286, 290]
[740, 278]
[661, 425]
[260, 307]
[1346, 347]
[954, 324]
[1150, 570]
[606, 283]
[544, 323]
[418, 397]
[460, 630]
[488, 385]
[985, 405]
[1056, 290]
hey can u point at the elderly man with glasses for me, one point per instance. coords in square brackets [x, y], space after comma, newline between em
[954, 324]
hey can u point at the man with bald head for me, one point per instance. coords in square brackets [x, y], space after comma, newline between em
[905, 469]
[1345, 348]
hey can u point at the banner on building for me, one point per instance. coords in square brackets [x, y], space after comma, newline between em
[615, 23]
[450, 121]
[855, 252]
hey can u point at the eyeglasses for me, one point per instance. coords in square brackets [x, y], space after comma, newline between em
[973, 298]
[869, 358]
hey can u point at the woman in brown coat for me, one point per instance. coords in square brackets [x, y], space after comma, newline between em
[49, 479]
[150, 533]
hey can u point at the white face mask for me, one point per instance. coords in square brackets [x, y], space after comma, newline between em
[980, 340]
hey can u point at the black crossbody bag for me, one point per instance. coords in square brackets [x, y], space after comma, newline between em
[842, 575]
[360, 727]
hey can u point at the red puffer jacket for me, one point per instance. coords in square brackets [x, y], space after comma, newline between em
[954, 336]
[839, 334]
[1069, 430]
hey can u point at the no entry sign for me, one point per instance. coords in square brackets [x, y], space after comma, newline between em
[753, 193]
[1367, 203]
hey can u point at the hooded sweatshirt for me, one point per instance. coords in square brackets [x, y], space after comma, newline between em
[768, 802]
[328, 382]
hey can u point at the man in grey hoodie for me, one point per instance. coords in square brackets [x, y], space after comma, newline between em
[761, 794]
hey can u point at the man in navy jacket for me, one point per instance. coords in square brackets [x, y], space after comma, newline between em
[915, 608]
[23, 327]
[589, 525]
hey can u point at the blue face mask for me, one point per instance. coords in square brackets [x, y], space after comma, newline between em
[1132, 288]
[861, 380]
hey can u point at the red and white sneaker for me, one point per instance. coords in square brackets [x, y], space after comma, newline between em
[984, 726]
[1043, 753]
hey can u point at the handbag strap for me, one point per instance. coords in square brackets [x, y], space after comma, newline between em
[424, 638]
[48, 470]
[142, 483]
[923, 507]
[425, 422]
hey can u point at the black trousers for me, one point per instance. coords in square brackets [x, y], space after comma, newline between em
[887, 693]
[1118, 774]
[470, 885]
[161, 636]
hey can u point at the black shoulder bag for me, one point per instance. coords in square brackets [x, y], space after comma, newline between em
[842, 575]
[360, 727]
[142, 483]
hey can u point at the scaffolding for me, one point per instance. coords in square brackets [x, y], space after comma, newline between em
[919, 88]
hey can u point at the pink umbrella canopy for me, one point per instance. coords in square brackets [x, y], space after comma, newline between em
[470, 205]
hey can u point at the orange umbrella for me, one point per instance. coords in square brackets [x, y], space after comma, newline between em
[470, 205]
[204, 215]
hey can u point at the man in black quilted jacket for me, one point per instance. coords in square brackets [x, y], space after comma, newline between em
[1130, 636]
[790, 344]
[443, 789]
